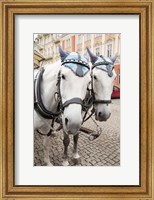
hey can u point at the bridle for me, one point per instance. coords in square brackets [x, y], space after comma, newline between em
[86, 103]
[38, 103]
[74, 100]
[109, 70]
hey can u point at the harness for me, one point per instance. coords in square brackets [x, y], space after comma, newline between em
[86, 103]
[38, 103]
[108, 68]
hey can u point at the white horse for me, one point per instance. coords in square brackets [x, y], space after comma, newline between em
[63, 88]
[103, 75]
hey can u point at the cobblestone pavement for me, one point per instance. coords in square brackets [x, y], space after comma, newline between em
[104, 151]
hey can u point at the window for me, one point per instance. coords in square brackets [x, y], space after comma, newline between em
[49, 52]
[98, 35]
[41, 41]
[45, 53]
[49, 38]
[57, 49]
[79, 39]
[87, 37]
[109, 50]
[97, 51]
[45, 40]
[67, 43]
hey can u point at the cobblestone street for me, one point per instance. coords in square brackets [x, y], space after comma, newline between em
[104, 151]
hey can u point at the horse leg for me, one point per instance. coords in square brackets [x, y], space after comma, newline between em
[76, 156]
[46, 150]
[66, 142]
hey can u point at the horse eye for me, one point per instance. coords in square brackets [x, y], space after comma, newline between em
[95, 77]
[63, 77]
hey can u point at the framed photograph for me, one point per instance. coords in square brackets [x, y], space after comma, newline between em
[49, 48]
[76, 100]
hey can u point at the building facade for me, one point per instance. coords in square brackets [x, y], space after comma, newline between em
[100, 44]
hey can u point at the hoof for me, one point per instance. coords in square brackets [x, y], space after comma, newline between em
[77, 161]
[53, 134]
[48, 164]
[76, 156]
[65, 163]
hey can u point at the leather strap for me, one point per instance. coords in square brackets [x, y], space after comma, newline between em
[38, 104]
[102, 101]
[76, 62]
[75, 100]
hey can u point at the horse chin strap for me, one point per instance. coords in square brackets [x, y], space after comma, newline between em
[96, 101]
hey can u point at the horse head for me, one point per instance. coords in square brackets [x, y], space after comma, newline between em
[103, 75]
[74, 80]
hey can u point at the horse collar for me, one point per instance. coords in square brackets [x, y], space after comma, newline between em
[38, 103]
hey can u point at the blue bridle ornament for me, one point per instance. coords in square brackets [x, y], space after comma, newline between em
[78, 64]
[105, 65]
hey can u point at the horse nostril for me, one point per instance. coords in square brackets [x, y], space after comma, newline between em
[99, 114]
[66, 121]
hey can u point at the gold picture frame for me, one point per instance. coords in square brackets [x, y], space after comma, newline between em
[10, 8]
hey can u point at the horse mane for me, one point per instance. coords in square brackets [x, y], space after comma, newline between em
[51, 70]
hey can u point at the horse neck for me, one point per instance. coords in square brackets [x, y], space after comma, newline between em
[48, 86]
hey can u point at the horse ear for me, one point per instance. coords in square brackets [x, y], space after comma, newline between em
[92, 56]
[113, 59]
[63, 54]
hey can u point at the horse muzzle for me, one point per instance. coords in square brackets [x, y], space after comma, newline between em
[100, 116]
[72, 127]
